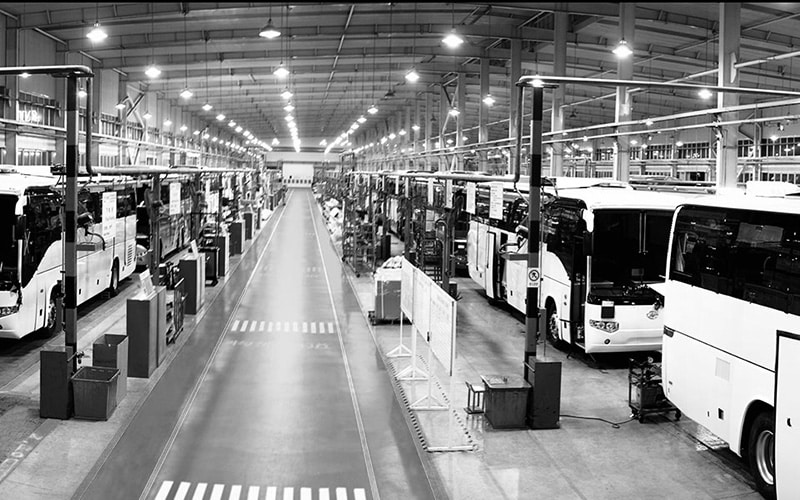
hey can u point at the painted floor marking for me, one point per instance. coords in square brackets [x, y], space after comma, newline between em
[253, 326]
[269, 326]
[305, 327]
[235, 325]
[252, 493]
[183, 489]
[200, 491]
[244, 325]
[164, 490]
[261, 327]
[316, 327]
[313, 328]
[234, 492]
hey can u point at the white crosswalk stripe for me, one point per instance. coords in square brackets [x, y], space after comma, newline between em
[286, 326]
[305, 327]
[313, 328]
[236, 492]
[244, 325]
[216, 492]
[294, 326]
[183, 489]
[164, 490]
[235, 325]
[253, 326]
[330, 327]
[200, 491]
[269, 326]
[261, 327]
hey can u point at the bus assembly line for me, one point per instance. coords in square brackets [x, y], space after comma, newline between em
[253, 278]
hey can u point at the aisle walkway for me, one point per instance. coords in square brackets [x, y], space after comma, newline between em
[291, 402]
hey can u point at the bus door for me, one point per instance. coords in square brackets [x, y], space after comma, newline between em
[480, 262]
[489, 264]
[787, 416]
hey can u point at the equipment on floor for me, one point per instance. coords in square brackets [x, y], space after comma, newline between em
[645, 393]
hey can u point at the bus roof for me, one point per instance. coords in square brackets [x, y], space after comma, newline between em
[605, 197]
[15, 183]
[789, 204]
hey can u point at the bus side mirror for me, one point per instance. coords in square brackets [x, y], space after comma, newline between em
[85, 220]
[19, 227]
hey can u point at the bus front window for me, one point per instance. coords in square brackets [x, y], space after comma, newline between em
[616, 256]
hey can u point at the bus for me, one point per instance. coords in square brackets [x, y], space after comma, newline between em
[603, 245]
[174, 229]
[733, 280]
[32, 256]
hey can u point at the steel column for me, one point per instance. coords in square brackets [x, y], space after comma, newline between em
[730, 23]
[70, 282]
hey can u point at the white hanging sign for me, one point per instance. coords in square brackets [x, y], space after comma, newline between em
[430, 192]
[109, 201]
[471, 187]
[496, 200]
[448, 193]
[406, 188]
[175, 198]
[397, 186]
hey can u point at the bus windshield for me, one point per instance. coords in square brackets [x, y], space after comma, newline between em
[629, 247]
[8, 244]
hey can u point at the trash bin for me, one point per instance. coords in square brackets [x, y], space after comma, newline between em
[111, 351]
[95, 390]
[505, 401]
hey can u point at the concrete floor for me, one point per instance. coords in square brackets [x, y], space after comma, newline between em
[281, 389]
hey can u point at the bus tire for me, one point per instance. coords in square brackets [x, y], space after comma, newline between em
[113, 286]
[761, 453]
[49, 328]
[552, 322]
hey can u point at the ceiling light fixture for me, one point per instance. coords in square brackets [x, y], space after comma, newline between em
[281, 71]
[97, 34]
[288, 108]
[649, 122]
[207, 107]
[167, 122]
[372, 109]
[415, 127]
[269, 31]
[412, 76]
[152, 71]
[81, 93]
[622, 50]
[453, 40]
[489, 100]
[454, 111]
[184, 128]
[147, 115]
[286, 94]
[361, 119]
[120, 104]
[186, 94]
[704, 93]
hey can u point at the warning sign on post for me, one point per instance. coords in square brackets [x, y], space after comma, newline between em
[471, 197]
[533, 277]
[109, 201]
[496, 200]
[175, 198]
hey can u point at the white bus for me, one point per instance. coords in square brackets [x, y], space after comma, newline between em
[733, 280]
[602, 246]
[31, 219]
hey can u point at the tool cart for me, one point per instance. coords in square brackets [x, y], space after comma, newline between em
[645, 393]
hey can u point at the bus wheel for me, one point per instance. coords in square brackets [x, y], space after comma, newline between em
[49, 328]
[761, 453]
[552, 323]
[113, 286]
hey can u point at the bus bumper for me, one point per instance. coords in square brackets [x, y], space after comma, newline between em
[622, 341]
[9, 327]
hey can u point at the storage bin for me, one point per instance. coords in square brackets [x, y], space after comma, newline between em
[95, 392]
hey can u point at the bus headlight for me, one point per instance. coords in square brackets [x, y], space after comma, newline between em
[606, 326]
[9, 310]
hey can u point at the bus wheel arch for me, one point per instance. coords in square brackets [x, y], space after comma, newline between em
[758, 446]
[113, 285]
